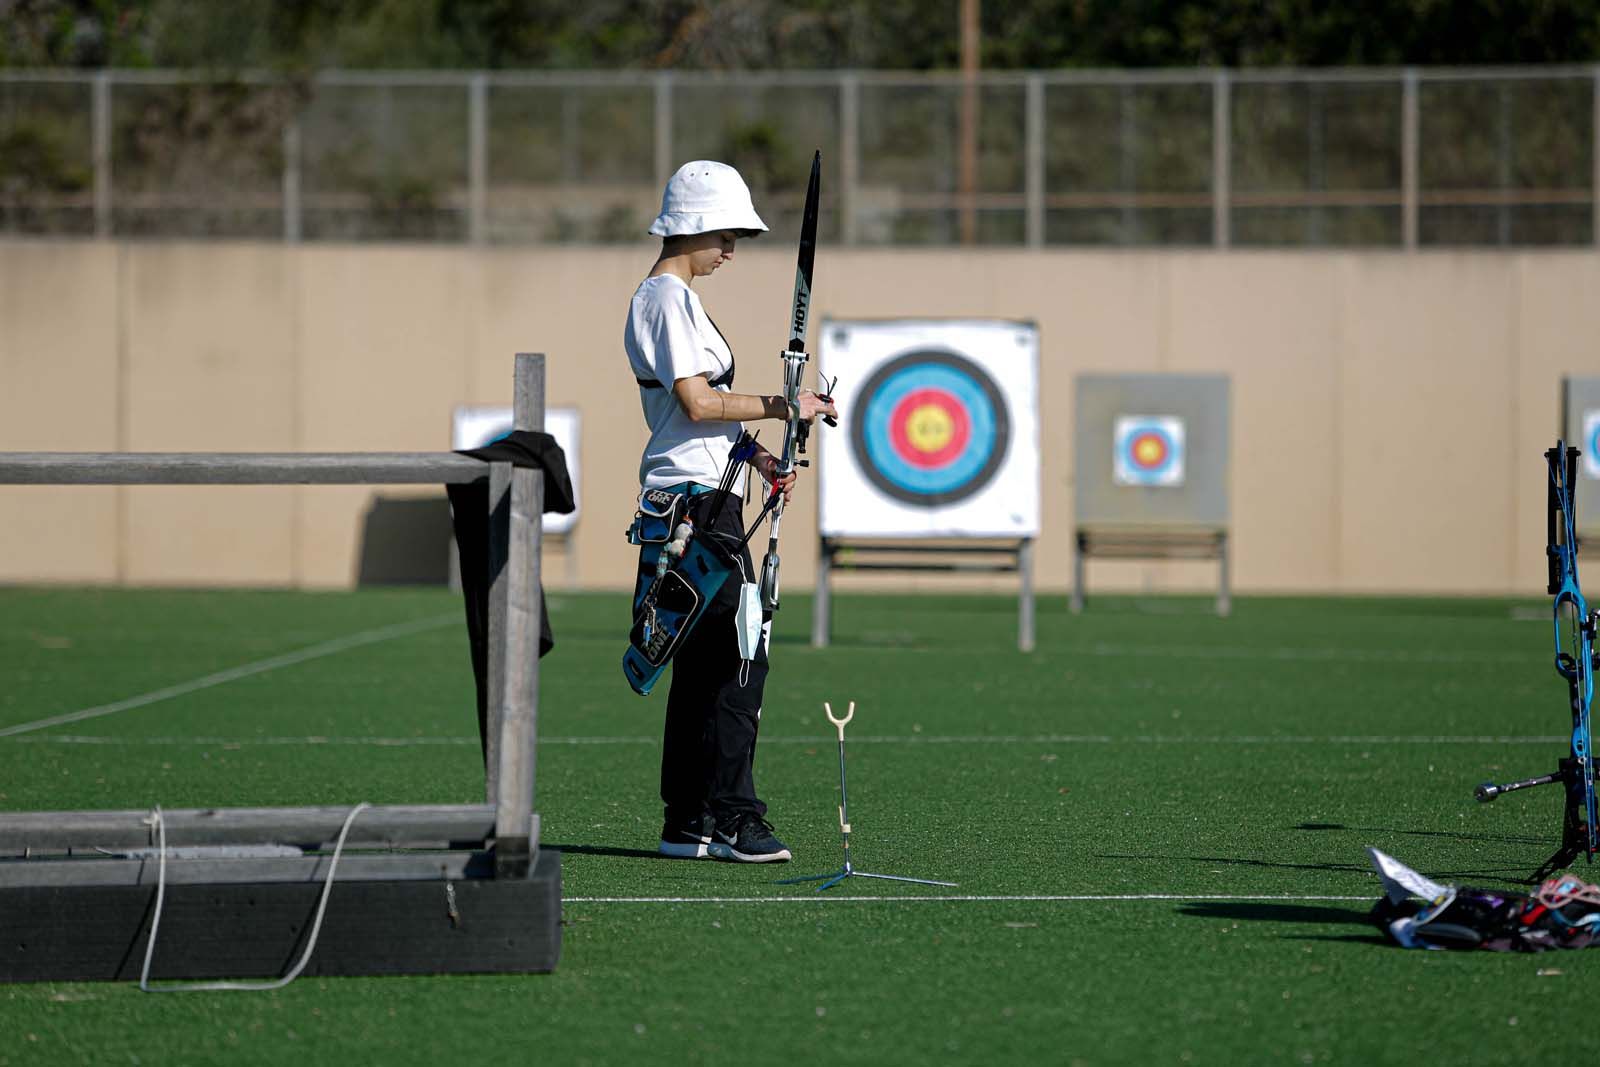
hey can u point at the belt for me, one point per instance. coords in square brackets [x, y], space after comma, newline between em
[691, 488]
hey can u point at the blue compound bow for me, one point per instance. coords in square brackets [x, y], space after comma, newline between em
[1575, 627]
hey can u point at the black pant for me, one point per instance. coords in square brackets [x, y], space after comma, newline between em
[709, 741]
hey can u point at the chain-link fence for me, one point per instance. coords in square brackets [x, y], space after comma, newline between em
[1369, 158]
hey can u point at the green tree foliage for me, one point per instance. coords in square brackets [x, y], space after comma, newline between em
[758, 34]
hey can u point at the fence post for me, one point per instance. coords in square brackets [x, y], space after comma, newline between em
[849, 155]
[1221, 161]
[100, 131]
[1410, 128]
[1502, 216]
[1034, 191]
[664, 167]
[292, 211]
[478, 159]
[1594, 160]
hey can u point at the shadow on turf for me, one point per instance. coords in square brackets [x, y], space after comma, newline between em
[1354, 867]
[1457, 835]
[1269, 911]
[603, 850]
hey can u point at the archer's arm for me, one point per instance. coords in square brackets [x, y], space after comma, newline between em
[704, 404]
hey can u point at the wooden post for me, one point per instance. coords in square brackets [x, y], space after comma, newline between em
[516, 502]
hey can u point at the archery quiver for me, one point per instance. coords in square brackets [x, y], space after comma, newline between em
[681, 570]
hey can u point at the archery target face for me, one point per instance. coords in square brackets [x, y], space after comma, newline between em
[938, 431]
[931, 428]
[1591, 444]
[1147, 450]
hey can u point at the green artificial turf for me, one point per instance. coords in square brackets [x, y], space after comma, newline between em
[1147, 748]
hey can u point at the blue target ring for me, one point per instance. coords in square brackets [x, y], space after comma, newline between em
[931, 428]
[1594, 440]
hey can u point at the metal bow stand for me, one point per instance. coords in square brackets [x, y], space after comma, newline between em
[833, 878]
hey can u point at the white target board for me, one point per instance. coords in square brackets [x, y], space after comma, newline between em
[1589, 444]
[474, 427]
[939, 429]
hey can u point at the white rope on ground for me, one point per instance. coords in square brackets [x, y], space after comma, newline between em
[248, 987]
[1032, 898]
[233, 674]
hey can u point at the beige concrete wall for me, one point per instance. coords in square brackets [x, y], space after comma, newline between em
[1389, 409]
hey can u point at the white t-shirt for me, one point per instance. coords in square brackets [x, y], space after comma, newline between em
[669, 336]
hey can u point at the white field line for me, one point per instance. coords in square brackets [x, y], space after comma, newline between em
[909, 739]
[1158, 650]
[233, 674]
[1031, 898]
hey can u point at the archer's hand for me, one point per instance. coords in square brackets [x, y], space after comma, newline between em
[766, 464]
[812, 405]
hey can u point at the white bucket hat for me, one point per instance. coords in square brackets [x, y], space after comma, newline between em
[703, 197]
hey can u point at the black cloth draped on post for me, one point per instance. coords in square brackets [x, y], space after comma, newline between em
[469, 514]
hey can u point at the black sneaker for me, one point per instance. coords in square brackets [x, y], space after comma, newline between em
[749, 839]
[687, 840]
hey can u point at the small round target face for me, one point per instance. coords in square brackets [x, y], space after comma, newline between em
[930, 428]
[1150, 451]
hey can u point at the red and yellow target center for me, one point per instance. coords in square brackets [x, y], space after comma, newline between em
[929, 428]
[1149, 450]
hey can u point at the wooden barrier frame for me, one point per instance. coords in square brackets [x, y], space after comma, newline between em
[1015, 556]
[1148, 544]
[481, 898]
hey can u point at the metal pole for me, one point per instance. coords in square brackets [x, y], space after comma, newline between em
[1221, 160]
[1025, 597]
[1316, 156]
[821, 608]
[478, 159]
[292, 209]
[663, 119]
[1077, 572]
[967, 152]
[1503, 165]
[1410, 127]
[1034, 104]
[849, 157]
[1224, 593]
[100, 131]
[1126, 133]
